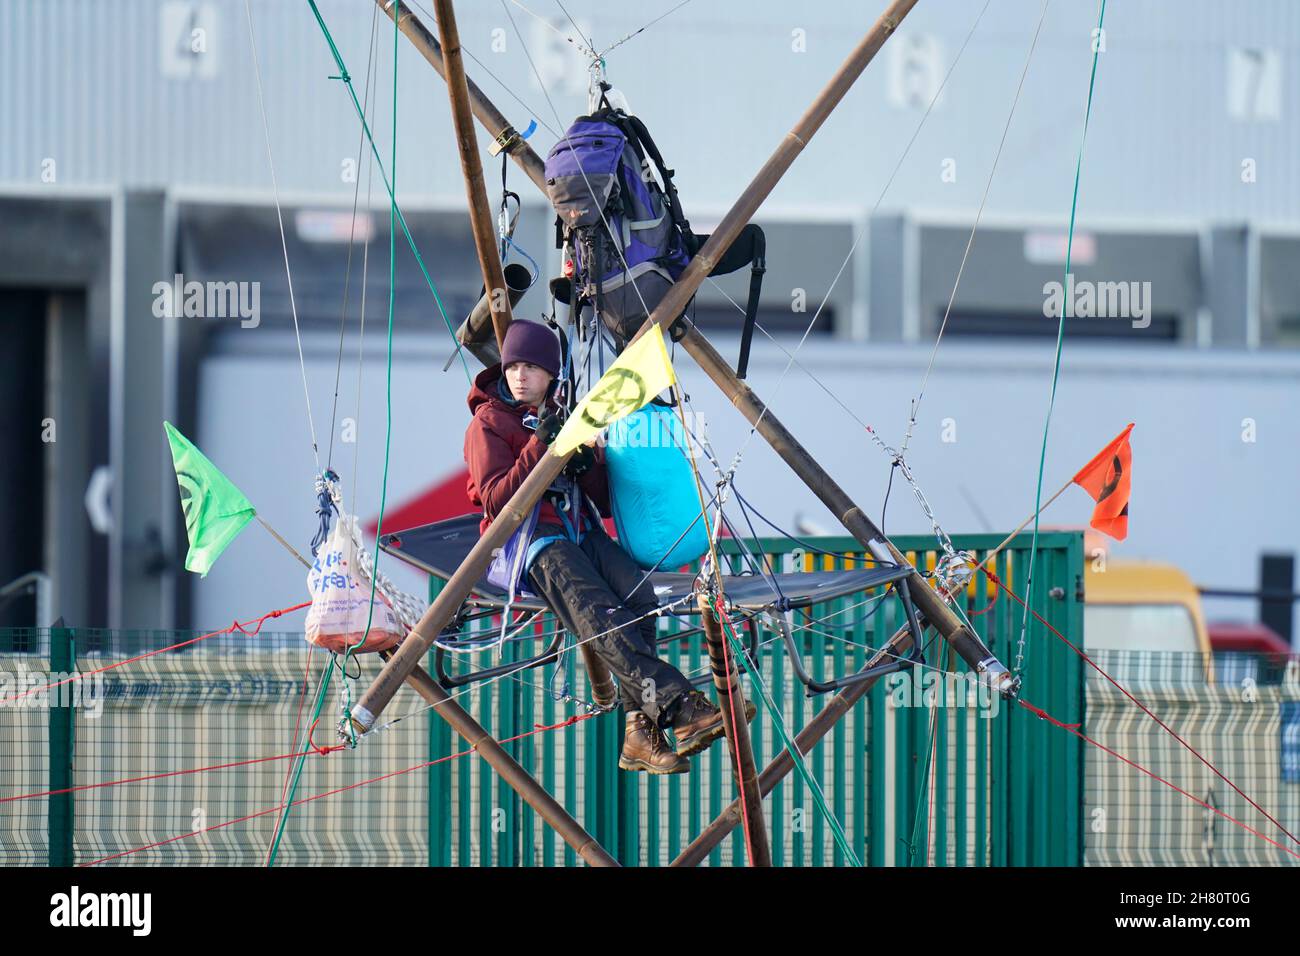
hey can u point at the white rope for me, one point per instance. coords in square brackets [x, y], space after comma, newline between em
[590, 191]
[352, 235]
[553, 28]
[916, 402]
[619, 43]
[858, 238]
[284, 248]
[409, 608]
[484, 67]
[953, 564]
[365, 285]
[495, 643]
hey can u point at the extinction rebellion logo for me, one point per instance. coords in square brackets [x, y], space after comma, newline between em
[620, 392]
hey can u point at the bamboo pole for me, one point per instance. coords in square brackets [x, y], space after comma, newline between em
[533, 793]
[783, 763]
[740, 749]
[854, 519]
[507, 137]
[480, 217]
[930, 604]
[464, 724]
[928, 601]
[515, 776]
[467, 98]
[444, 607]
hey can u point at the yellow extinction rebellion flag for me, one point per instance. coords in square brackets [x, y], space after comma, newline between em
[215, 510]
[641, 373]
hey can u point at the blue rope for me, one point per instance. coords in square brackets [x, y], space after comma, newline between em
[324, 510]
[509, 243]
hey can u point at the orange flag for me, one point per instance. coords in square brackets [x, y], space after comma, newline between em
[1108, 478]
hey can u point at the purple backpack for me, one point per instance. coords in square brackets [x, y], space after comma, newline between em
[626, 237]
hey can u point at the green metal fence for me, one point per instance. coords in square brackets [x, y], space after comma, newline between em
[1005, 788]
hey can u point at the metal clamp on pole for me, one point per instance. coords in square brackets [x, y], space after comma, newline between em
[505, 141]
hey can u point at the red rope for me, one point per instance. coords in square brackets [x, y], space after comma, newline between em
[256, 626]
[1074, 729]
[1192, 750]
[538, 728]
[170, 773]
[236, 626]
[986, 608]
[731, 704]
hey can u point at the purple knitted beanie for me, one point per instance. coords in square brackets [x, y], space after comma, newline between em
[531, 342]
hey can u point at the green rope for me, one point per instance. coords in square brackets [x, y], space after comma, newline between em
[410, 240]
[841, 838]
[301, 761]
[388, 424]
[925, 788]
[383, 500]
[1060, 338]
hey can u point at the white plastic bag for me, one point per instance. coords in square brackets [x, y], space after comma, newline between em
[340, 597]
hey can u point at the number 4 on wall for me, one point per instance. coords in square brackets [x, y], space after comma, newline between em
[187, 33]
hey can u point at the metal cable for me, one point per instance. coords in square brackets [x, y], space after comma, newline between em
[279, 215]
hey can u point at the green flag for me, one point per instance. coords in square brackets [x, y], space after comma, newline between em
[215, 510]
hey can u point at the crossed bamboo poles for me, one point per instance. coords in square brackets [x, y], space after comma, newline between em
[403, 666]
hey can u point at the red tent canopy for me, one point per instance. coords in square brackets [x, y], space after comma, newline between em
[445, 499]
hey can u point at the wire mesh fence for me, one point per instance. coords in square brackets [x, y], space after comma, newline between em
[923, 771]
[1242, 718]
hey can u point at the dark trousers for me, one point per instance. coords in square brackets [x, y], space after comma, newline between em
[595, 588]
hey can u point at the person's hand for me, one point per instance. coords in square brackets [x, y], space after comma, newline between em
[581, 461]
[548, 427]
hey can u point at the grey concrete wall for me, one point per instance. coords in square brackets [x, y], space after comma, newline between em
[1203, 498]
[1186, 92]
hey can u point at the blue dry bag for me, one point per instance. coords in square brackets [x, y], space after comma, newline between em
[652, 490]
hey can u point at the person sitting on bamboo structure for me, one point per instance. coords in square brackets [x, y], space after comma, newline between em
[594, 587]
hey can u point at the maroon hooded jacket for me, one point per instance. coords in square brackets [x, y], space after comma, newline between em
[500, 452]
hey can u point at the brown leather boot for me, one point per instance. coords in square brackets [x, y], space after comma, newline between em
[698, 723]
[644, 748]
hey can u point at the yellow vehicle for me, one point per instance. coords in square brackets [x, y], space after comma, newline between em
[1143, 606]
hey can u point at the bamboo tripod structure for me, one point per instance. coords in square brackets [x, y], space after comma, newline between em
[550, 809]
[930, 604]
[497, 293]
[740, 750]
